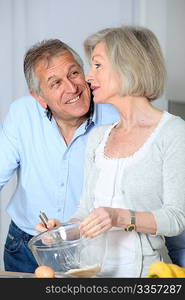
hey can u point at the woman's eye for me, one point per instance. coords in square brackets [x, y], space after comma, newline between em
[97, 66]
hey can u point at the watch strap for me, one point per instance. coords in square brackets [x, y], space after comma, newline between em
[132, 226]
[132, 217]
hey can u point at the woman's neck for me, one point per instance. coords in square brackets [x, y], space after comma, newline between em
[137, 111]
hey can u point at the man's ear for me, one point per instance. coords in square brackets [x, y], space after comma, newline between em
[39, 99]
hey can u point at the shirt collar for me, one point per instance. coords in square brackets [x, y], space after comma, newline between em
[92, 115]
[91, 119]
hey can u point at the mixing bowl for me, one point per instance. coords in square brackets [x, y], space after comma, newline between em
[66, 252]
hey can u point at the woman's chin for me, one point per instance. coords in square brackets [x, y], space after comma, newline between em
[99, 100]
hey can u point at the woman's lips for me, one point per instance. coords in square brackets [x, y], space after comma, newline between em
[94, 88]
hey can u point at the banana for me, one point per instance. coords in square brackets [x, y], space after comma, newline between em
[161, 269]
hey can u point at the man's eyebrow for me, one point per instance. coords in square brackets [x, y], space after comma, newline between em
[72, 66]
[51, 77]
[55, 77]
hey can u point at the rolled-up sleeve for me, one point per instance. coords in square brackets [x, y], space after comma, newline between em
[9, 154]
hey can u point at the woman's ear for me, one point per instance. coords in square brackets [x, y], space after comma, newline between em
[40, 99]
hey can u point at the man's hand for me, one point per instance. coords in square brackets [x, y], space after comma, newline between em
[40, 227]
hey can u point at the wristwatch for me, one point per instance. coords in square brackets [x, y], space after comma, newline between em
[132, 226]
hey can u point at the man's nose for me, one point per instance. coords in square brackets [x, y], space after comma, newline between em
[70, 86]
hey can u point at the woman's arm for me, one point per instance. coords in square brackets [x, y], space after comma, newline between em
[170, 218]
[102, 219]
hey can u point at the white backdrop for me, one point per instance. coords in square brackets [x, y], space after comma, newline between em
[25, 22]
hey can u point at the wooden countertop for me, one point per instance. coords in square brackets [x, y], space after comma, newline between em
[8, 274]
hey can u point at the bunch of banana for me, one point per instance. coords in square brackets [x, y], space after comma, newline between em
[161, 269]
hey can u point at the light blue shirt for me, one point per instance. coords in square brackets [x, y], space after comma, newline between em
[49, 173]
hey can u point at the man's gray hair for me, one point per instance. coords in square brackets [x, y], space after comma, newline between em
[45, 49]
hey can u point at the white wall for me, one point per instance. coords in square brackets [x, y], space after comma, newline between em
[167, 19]
[73, 20]
[152, 14]
[176, 49]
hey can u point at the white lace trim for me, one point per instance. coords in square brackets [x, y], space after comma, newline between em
[139, 154]
[108, 190]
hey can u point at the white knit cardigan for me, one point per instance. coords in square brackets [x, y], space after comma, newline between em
[155, 183]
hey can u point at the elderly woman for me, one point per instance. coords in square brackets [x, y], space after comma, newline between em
[134, 171]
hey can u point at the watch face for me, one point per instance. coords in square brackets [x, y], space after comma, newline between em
[131, 228]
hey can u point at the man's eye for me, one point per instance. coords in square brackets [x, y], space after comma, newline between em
[55, 83]
[73, 74]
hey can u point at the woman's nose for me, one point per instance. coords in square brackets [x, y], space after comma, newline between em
[89, 77]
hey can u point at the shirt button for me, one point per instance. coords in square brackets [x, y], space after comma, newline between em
[59, 210]
[62, 184]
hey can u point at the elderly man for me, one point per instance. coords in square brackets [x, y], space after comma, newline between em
[43, 138]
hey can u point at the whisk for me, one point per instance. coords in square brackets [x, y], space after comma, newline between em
[70, 257]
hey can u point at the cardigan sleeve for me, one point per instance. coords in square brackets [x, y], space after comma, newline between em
[170, 218]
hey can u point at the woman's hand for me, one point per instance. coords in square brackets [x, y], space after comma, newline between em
[40, 227]
[100, 220]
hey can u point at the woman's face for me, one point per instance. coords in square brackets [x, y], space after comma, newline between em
[105, 82]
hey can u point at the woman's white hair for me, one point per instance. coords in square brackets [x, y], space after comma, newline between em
[134, 52]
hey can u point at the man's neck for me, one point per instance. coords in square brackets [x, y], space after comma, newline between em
[68, 127]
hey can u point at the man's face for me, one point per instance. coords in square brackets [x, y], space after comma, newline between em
[63, 88]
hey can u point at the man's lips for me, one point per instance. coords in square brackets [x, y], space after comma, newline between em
[73, 100]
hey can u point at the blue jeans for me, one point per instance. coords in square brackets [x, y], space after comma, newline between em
[176, 249]
[17, 256]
